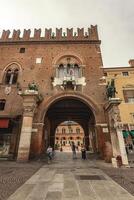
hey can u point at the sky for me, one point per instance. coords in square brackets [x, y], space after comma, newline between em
[115, 20]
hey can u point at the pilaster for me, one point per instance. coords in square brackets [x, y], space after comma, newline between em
[29, 104]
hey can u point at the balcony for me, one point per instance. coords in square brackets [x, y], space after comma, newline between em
[69, 80]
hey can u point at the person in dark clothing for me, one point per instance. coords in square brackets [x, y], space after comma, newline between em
[74, 150]
[83, 152]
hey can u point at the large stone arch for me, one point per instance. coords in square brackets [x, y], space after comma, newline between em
[85, 99]
[67, 54]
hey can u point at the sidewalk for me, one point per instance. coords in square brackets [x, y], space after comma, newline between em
[67, 179]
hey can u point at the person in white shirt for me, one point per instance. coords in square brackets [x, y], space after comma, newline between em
[50, 152]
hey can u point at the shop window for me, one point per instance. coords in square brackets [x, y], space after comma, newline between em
[129, 96]
[22, 50]
[125, 74]
[2, 104]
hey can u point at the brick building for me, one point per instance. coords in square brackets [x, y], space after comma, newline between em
[68, 132]
[46, 80]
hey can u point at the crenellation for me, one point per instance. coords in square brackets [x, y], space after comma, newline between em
[93, 33]
[80, 32]
[58, 33]
[5, 35]
[16, 35]
[69, 34]
[37, 33]
[48, 33]
[26, 34]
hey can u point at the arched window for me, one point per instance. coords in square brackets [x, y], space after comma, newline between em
[57, 130]
[63, 130]
[15, 76]
[77, 130]
[61, 71]
[70, 130]
[76, 71]
[11, 75]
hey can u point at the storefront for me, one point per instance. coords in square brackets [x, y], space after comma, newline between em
[9, 135]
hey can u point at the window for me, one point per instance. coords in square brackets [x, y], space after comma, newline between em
[38, 60]
[63, 130]
[129, 96]
[130, 99]
[68, 70]
[77, 130]
[70, 130]
[11, 76]
[125, 74]
[105, 73]
[2, 104]
[57, 130]
[22, 50]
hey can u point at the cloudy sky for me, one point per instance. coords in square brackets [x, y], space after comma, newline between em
[115, 20]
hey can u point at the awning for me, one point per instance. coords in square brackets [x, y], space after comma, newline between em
[125, 133]
[4, 123]
[132, 132]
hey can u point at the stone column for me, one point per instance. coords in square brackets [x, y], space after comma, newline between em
[116, 128]
[29, 104]
[122, 145]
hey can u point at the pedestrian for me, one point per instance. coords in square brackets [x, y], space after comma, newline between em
[73, 150]
[83, 152]
[61, 149]
[49, 152]
[77, 148]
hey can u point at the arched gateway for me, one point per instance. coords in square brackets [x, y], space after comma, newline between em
[68, 108]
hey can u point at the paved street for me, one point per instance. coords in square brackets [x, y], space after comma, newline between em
[13, 175]
[67, 179]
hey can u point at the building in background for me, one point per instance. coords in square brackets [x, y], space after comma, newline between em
[69, 132]
[124, 83]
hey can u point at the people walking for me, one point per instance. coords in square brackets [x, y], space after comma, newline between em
[73, 150]
[83, 152]
[49, 153]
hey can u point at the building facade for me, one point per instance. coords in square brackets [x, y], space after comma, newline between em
[124, 83]
[68, 132]
[46, 80]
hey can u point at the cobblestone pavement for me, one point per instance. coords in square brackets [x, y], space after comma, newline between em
[68, 179]
[13, 175]
[123, 176]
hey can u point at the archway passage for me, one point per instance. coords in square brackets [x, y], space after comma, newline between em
[67, 133]
[68, 109]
